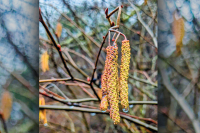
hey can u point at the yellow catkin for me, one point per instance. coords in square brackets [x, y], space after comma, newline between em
[112, 79]
[59, 29]
[124, 69]
[6, 104]
[104, 101]
[42, 113]
[45, 61]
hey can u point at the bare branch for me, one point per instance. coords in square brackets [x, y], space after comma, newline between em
[97, 111]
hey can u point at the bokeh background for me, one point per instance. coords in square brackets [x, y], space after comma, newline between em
[80, 50]
[178, 73]
[19, 65]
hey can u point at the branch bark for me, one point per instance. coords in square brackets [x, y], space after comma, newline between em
[67, 108]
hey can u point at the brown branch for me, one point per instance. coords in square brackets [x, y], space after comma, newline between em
[118, 16]
[75, 67]
[81, 55]
[93, 108]
[136, 117]
[98, 111]
[97, 59]
[164, 112]
[54, 42]
[62, 99]
[54, 80]
[85, 90]
[63, 79]
[74, 84]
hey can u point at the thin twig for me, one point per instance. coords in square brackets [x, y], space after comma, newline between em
[97, 59]
[97, 111]
[143, 80]
[73, 23]
[54, 42]
[63, 79]
[96, 100]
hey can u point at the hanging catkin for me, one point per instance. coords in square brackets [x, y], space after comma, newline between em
[104, 101]
[112, 83]
[112, 86]
[124, 68]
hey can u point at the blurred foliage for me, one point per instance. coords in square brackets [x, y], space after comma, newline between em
[179, 62]
[19, 65]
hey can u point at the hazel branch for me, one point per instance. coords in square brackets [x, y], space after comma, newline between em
[99, 112]
[97, 59]
[54, 42]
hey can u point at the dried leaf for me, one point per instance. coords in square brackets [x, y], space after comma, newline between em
[6, 104]
[42, 113]
[178, 31]
[145, 2]
[45, 61]
[59, 29]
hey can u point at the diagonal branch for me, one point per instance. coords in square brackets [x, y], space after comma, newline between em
[97, 59]
[54, 42]
[21, 80]
[97, 111]
[180, 100]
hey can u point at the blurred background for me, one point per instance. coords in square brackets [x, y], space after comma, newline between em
[179, 65]
[81, 26]
[19, 61]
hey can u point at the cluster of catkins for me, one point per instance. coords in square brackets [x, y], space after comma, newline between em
[115, 89]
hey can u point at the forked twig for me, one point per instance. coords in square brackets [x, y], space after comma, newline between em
[54, 42]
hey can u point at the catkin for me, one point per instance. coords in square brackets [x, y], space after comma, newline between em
[124, 68]
[112, 86]
[109, 84]
[112, 78]
[104, 101]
